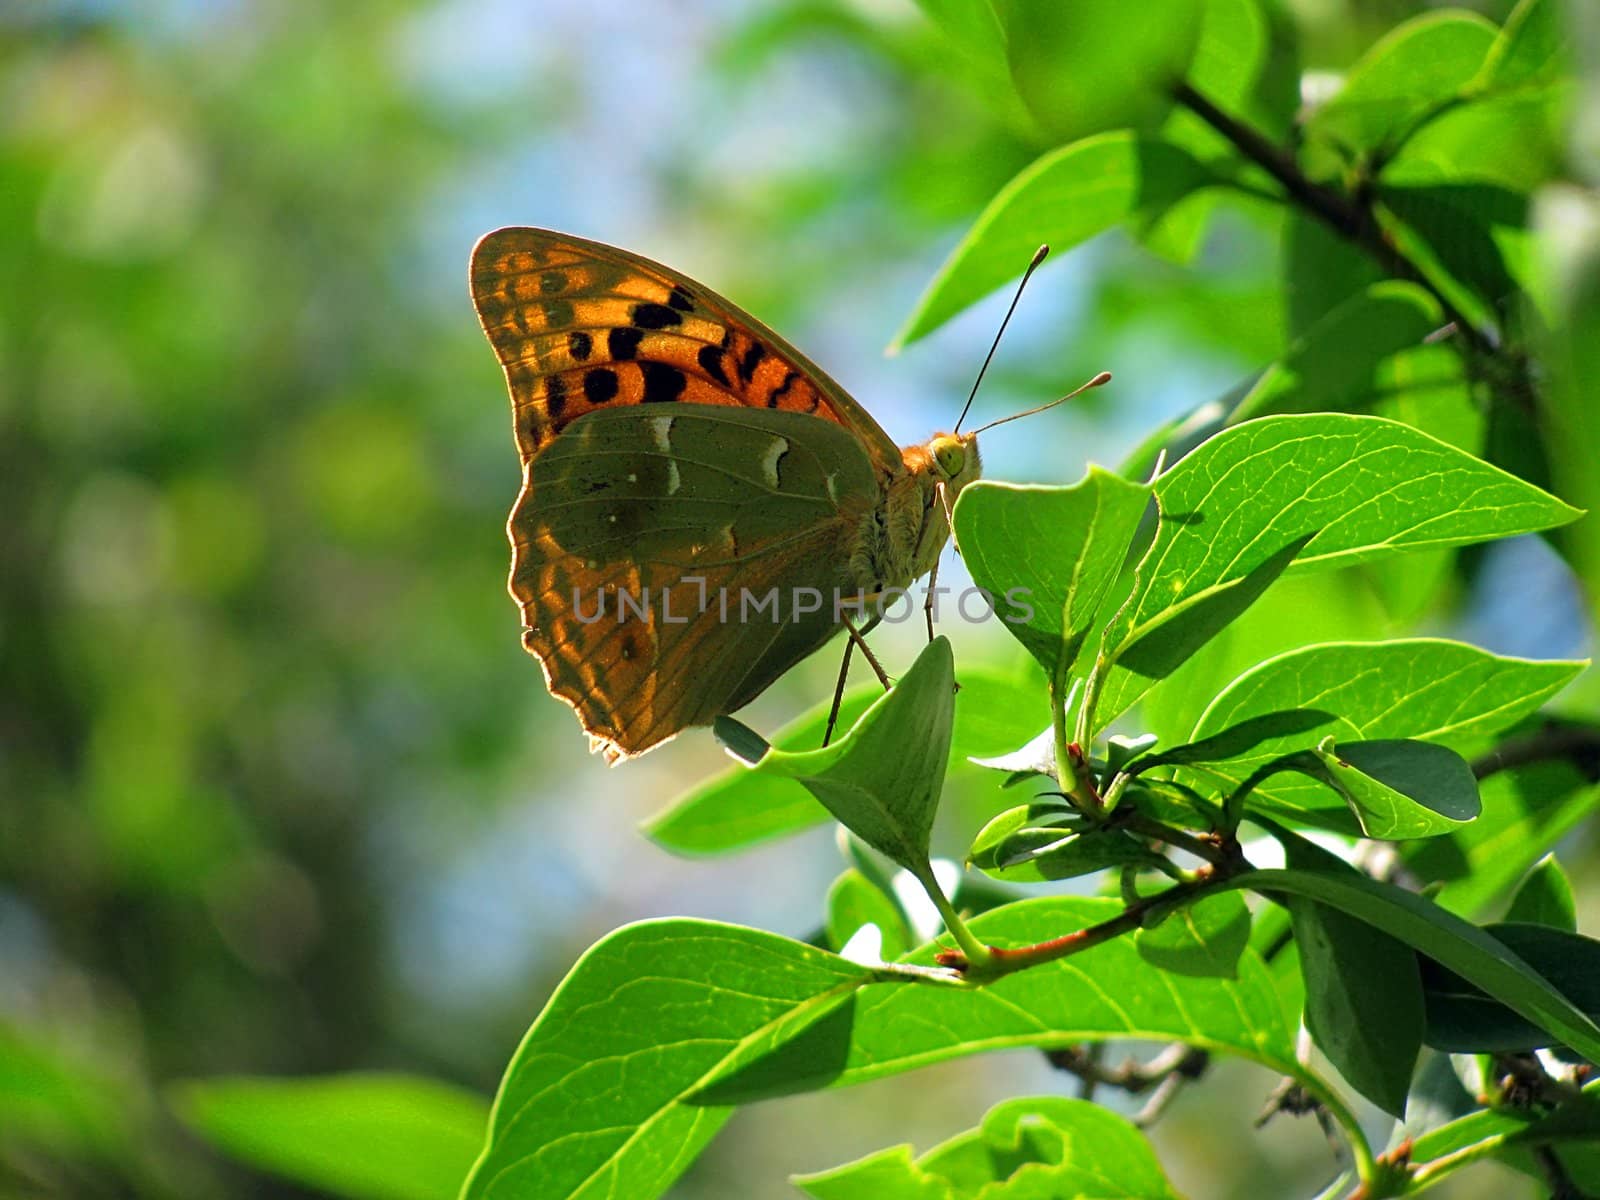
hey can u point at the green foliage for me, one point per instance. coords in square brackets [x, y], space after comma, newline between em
[1083, 68]
[368, 1137]
[257, 719]
[600, 1098]
[1065, 198]
[1545, 898]
[882, 780]
[1465, 1018]
[1062, 547]
[1046, 1145]
[738, 808]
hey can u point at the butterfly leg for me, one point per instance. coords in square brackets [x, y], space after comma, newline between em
[866, 651]
[838, 691]
[927, 602]
[943, 493]
[844, 672]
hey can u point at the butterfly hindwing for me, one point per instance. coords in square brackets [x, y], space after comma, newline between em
[704, 521]
[580, 326]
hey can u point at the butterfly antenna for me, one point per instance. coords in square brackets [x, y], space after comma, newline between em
[1038, 257]
[1103, 378]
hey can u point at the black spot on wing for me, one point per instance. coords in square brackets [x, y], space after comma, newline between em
[777, 392]
[623, 342]
[555, 396]
[681, 298]
[599, 385]
[710, 360]
[663, 383]
[655, 316]
[552, 281]
[750, 360]
[579, 345]
[557, 314]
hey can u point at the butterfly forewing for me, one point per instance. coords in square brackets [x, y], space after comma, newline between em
[696, 518]
[580, 326]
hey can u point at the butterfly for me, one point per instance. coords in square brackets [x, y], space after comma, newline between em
[681, 465]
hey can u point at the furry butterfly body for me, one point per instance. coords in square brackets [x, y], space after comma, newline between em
[681, 464]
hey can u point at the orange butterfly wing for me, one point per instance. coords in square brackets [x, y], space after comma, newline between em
[585, 328]
[579, 325]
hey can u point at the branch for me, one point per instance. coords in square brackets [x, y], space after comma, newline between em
[1572, 741]
[1166, 1073]
[1003, 960]
[1347, 218]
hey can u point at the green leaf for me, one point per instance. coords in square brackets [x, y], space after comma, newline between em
[738, 807]
[1200, 939]
[1515, 140]
[1545, 898]
[1336, 364]
[1062, 199]
[1245, 64]
[1399, 788]
[853, 902]
[882, 780]
[1531, 50]
[1526, 811]
[1578, 1119]
[368, 1136]
[1455, 944]
[1426, 689]
[1084, 68]
[1319, 275]
[1415, 68]
[1464, 1019]
[1051, 818]
[890, 1174]
[1363, 1001]
[1029, 1148]
[1364, 488]
[1477, 232]
[1042, 853]
[1510, 126]
[1106, 992]
[1153, 653]
[593, 1103]
[55, 1098]
[1569, 351]
[1057, 549]
[1241, 738]
[1230, 53]
[1363, 988]
[975, 30]
[1468, 240]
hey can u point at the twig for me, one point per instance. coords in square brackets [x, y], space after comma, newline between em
[1002, 960]
[1207, 849]
[1166, 1073]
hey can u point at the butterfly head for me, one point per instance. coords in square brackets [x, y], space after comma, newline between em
[953, 460]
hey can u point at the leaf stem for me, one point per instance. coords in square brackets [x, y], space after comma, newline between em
[1072, 771]
[974, 951]
[1368, 1169]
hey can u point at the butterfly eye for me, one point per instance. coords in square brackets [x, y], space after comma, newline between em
[950, 455]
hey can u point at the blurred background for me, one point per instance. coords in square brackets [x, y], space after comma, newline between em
[280, 792]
